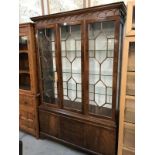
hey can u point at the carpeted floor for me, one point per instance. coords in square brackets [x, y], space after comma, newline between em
[33, 146]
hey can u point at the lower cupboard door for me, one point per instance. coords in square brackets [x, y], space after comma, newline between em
[100, 140]
[48, 123]
[72, 131]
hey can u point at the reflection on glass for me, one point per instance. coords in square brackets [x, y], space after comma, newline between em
[131, 58]
[133, 19]
[23, 61]
[23, 43]
[101, 52]
[71, 65]
[48, 65]
[24, 81]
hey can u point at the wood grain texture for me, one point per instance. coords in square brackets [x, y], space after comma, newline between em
[49, 123]
[129, 24]
[81, 128]
[130, 87]
[98, 12]
[127, 151]
[129, 109]
[129, 135]
[28, 99]
[131, 58]
[99, 139]
[127, 100]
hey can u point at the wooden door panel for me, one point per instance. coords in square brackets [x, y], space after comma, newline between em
[72, 131]
[100, 140]
[92, 137]
[48, 123]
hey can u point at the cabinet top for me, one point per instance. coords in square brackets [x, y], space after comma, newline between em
[115, 7]
[25, 24]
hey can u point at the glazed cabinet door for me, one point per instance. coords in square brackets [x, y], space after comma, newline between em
[60, 51]
[101, 43]
[71, 58]
[79, 66]
[48, 71]
[24, 72]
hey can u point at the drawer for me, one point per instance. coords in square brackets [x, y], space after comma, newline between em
[129, 135]
[27, 125]
[26, 100]
[130, 109]
[130, 88]
[26, 114]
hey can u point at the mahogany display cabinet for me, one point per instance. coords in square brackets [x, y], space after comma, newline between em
[79, 55]
[28, 86]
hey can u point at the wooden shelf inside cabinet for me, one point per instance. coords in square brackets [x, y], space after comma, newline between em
[24, 72]
[130, 97]
[128, 151]
[23, 51]
[24, 87]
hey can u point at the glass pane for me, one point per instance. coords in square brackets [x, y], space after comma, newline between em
[46, 44]
[23, 43]
[101, 52]
[23, 61]
[133, 18]
[131, 58]
[24, 81]
[71, 65]
[130, 86]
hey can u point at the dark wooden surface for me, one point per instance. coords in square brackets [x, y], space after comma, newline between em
[86, 134]
[108, 7]
[81, 128]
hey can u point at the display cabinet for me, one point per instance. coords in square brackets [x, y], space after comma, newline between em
[28, 90]
[127, 102]
[126, 143]
[79, 55]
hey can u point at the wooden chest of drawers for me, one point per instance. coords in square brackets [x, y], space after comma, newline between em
[28, 113]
